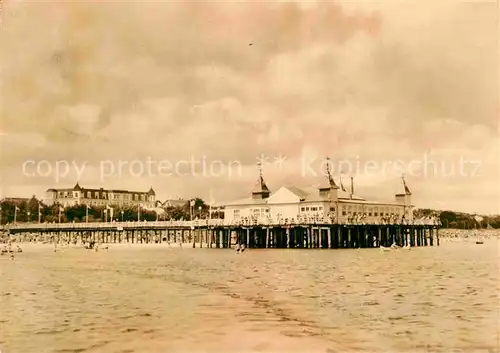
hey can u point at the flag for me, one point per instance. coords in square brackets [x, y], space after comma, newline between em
[211, 203]
[61, 208]
[88, 207]
[108, 207]
[192, 203]
[18, 209]
[342, 185]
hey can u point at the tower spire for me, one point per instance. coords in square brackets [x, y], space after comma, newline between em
[407, 189]
[342, 184]
[260, 191]
[331, 181]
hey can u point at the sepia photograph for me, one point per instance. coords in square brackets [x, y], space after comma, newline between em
[266, 176]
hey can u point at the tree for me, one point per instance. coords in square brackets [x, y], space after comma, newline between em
[176, 213]
[76, 213]
[199, 210]
[32, 208]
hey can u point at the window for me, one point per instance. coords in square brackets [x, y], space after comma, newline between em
[96, 195]
[320, 208]
[89, 195]
[302, 209]
[75, 194]
[375, 214]
[307, 208]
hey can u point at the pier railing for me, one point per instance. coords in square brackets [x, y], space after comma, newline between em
[116, 225]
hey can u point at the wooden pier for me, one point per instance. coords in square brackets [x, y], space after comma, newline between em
[217, 235]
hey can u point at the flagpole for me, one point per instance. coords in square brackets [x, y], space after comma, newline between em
[59, 214]
[210, 206]
[86, 213]
[39, 213]
[15, 214]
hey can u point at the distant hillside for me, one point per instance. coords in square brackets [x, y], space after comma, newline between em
[460, 220]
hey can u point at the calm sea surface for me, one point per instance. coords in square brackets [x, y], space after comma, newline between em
[161, 299]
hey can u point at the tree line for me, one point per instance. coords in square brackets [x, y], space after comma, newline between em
[459, 220]
[34, 210]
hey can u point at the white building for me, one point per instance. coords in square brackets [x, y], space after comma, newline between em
[327, 203]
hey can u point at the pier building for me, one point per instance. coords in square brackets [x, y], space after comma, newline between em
[328, 201]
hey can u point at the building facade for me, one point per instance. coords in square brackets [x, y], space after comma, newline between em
[100, 197]
[327, 202]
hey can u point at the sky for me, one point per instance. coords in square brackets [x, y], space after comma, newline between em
[189, 97]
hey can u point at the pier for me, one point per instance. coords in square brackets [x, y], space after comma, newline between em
[216, 234]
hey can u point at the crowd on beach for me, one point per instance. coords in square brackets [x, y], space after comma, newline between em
[64, 240]
[467, 233]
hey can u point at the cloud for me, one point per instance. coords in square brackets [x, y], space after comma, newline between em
[379, 80]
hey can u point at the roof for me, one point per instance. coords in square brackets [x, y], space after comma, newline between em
[260, 186]
[306, 194]
[301, 194]
[247, 201]
[16, 199]
[312, 194]
[151, 192]
[98, 190]
[344, 195]
[403, 188]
